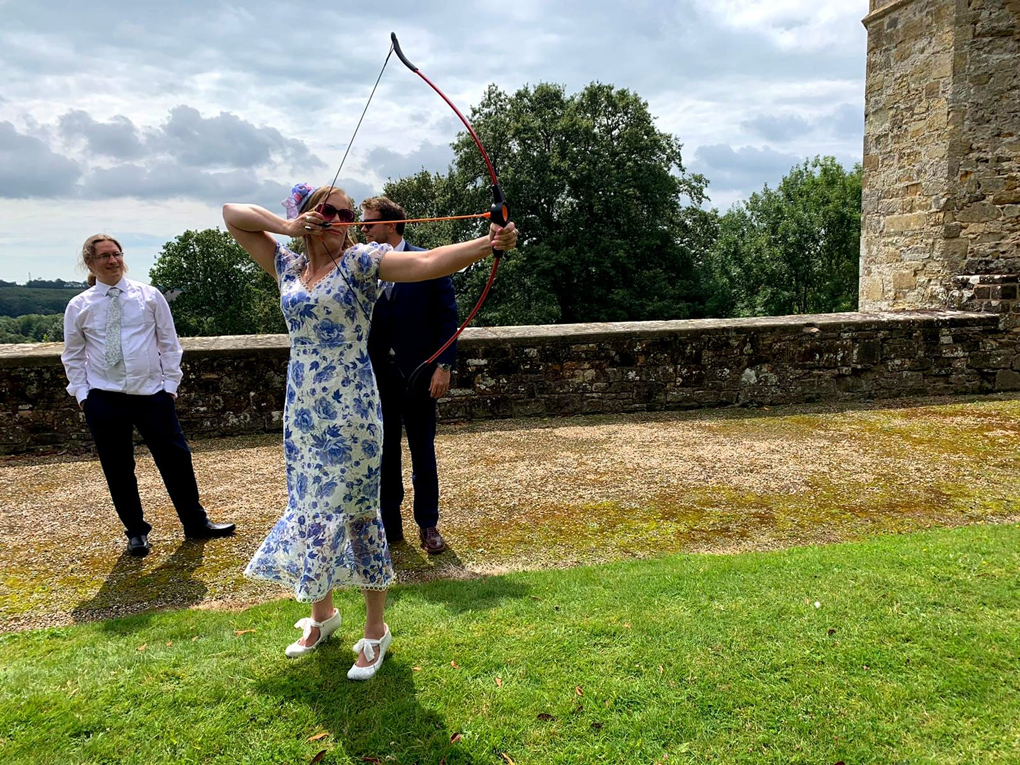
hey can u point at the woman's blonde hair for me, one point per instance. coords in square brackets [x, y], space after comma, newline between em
[88, 252]
[319, 196]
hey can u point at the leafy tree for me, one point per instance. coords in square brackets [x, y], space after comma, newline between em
[430, 195]
[792, 249]
[16, 300]
[601, 198]
[215, 288]
[32, 328]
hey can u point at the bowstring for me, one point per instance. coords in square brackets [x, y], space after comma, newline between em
[368, 313]
[332, 187]
[361, 119]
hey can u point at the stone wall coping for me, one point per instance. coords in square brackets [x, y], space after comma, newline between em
[44, 354]
[884, 11]
[833, 322]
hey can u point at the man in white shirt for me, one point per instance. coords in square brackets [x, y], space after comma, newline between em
[123, 365]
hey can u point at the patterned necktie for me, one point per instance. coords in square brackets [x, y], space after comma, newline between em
[388, 289]
[114, 352]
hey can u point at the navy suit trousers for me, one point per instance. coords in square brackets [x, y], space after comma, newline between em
[111, 418]
[415, 412]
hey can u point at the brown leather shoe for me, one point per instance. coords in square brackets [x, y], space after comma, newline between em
[431, 540]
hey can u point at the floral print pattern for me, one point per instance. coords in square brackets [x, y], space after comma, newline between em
[331, 534]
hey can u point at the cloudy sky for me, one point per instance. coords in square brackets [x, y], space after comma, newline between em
[140, 119]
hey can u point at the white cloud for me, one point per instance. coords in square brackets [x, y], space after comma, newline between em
[29, 168]
[428, 156]
[794, 24]
[142, 227]
[731, 170]
[166, 110]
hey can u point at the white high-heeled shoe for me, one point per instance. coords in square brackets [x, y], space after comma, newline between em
[371, 648]
[326, 628]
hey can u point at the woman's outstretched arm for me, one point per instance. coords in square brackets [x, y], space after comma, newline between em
[446, 260]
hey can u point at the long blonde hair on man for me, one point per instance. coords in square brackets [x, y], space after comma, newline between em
[88, 252]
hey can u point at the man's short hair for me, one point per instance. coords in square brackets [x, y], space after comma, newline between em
[387, 209]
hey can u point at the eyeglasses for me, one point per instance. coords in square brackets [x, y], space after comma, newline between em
[367, 223]
[342, 214]
[108, 255]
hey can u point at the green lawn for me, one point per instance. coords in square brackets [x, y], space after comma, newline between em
[897, 649]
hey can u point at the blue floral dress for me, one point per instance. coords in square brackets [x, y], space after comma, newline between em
[331, 534]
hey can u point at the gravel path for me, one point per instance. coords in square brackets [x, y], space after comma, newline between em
[529, 494]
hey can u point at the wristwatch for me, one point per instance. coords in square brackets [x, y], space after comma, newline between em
[445, 367]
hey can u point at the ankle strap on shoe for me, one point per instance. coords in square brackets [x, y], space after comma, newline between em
[365, 644]
[310, 622]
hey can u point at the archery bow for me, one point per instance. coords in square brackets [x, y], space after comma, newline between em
[499, 212]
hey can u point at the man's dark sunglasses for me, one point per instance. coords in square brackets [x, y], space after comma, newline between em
[342, 214]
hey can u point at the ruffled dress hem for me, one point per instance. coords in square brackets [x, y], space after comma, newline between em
[308, 598]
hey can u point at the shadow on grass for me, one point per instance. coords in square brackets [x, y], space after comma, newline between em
[368, 721]
[446, 586]
[129, 589]
[85, 451]
[419, 566]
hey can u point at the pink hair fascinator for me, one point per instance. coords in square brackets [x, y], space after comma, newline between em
[298, 195]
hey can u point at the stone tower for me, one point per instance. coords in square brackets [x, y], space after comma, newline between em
[941, 206]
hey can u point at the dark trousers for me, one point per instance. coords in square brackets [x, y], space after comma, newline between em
[415, 412]
[111, 418]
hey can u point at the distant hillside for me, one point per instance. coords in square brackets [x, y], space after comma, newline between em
[37, 296]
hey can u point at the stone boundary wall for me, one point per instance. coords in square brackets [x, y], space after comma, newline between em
[235, 385]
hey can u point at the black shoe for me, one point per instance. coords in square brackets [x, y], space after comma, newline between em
[209, 530]
[139, 546]
[393, 537]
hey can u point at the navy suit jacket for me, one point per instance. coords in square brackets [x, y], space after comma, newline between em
[414, 321]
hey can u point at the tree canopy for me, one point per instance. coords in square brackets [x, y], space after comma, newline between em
[32, 328]
[792, 249]
[214, 288]
[613, 228]
[37, 297]
[600, 195]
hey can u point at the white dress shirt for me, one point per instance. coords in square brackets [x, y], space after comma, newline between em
[151, 352]
[385, 286]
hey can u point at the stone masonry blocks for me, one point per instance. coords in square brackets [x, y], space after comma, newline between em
[941, 153]
[236, 385]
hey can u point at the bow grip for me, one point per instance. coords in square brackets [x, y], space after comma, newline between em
[499, 213]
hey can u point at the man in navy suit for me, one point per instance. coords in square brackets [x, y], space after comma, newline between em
[411, 321]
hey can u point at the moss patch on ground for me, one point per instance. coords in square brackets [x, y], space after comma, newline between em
[523, 494]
